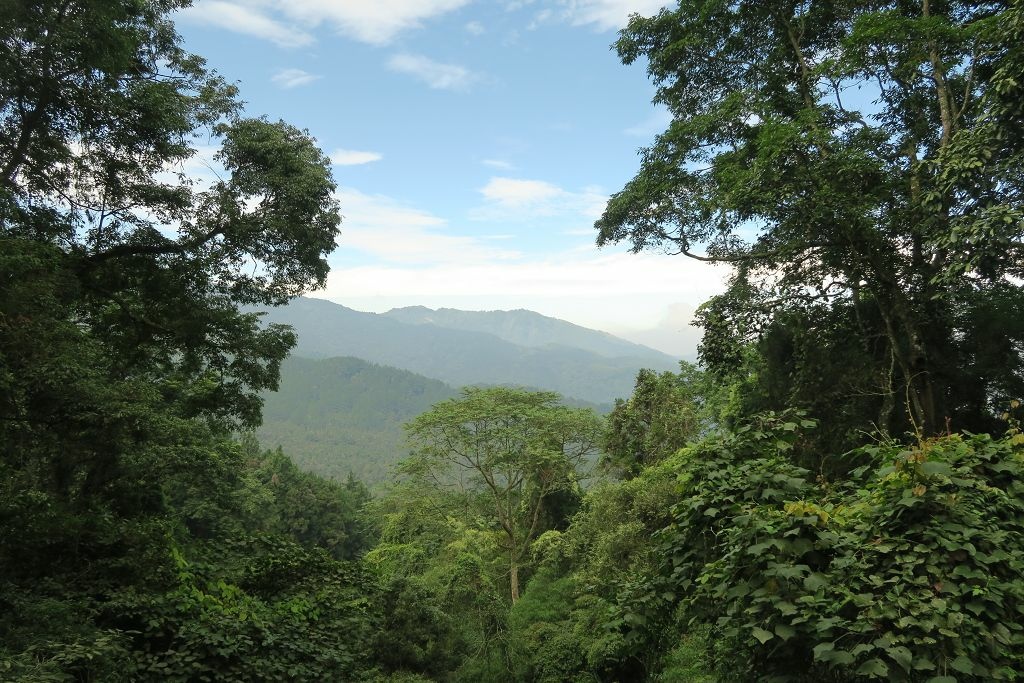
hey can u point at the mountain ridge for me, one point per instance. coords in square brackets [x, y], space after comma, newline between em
[460, 357]
[528, 328]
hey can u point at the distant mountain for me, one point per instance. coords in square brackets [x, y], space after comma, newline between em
[341, 415]
[461, 357]
[527, 328]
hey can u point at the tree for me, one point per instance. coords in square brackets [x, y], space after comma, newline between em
[511, 451]
[665, 411]
[125, 360]
[900, 205]
[99, 108]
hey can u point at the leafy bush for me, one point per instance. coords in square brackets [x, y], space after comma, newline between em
[910, 570]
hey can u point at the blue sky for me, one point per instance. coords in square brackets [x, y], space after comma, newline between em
[475, 143]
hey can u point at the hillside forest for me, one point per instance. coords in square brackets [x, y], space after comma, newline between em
[833, 492]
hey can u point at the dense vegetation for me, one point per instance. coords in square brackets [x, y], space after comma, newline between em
[341, 416]
[835, 494]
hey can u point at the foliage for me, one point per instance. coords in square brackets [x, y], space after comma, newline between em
[898, 207]
[664, 412]
[442, 571]
[276, 615]
[315, 512]
[908, 571]
[511, 452]
[337, 416]
[565, 623]
[136, 541]
[141, 538]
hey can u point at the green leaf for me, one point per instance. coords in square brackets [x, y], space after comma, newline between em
[822, 648]
[762, 635]
[923, 663]
[784, 631]
[963, 665]
[933, 467]
[873, 667]
[815, 581]
[838, 657]
[901, 656]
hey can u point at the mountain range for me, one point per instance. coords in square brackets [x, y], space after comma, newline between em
[468, 347]
[527, 328]
[355, 378]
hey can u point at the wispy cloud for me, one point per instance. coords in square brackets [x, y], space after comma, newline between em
[604, 15]
[247, 20]
[512, 192]
[437, 75]
[475, 28]
[370, 21]
[522, 198]
[293, 78]
[498, 163]
[289, 23]
[351, 157]
[396, 233]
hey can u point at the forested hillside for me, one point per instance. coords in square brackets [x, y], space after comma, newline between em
[343, 415]
[461, 357]
[338, 417]
[527, 328]
[835, 493]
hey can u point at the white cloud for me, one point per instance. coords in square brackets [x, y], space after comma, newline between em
[293, 78]
[288, 22]
[248, 20]
[540, 18]
[498, 163]
[475, 28]
[606, 15]
[511, 192]
[351, 157]
[437, 75]
[370, 21]
[392, 232]
[595, 288]
[517, 198]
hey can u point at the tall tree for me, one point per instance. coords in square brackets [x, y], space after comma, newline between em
[125, 361]
[863, 156]
[100, 107]
[512, 451]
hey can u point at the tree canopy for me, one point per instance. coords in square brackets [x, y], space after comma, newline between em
[837, 495]
[137, 540]
[511, 450]
[101, 111]
[857, 164]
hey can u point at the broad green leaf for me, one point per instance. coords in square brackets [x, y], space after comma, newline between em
[962, 664]
[873, 667]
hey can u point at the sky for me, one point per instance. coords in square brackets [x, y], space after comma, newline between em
[474, 144]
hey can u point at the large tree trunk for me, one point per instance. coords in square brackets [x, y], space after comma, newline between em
[514, 578]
